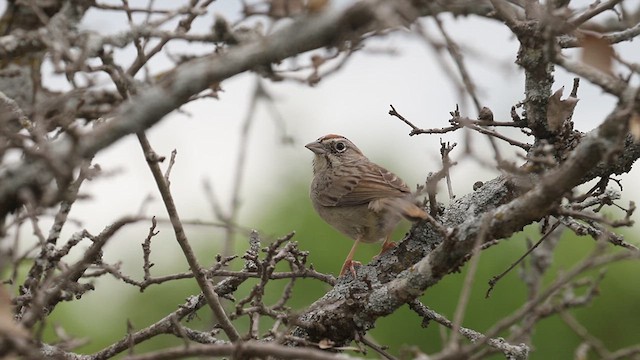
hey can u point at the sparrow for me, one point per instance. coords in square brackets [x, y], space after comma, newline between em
[359, 198]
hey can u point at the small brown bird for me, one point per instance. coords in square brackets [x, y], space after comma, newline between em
[357, 197]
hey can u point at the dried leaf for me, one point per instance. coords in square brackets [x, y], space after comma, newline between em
[597, 52]
[558, 110]
[316, 6]
[634, 125]
[278, 9]
[295, 7]
[285, 8]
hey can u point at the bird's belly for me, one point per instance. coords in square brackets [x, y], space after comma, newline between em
[359, 221]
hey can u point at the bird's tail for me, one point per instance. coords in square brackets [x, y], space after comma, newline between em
[404, 206]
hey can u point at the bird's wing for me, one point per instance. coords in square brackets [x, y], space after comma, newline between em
[361, 184]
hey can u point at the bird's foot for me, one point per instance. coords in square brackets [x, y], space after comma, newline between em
[385, 247]
[349, 264]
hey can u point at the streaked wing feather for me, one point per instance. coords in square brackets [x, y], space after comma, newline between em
[332, 193]
[370, 185]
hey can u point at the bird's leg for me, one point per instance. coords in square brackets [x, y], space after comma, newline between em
[387, 245]
[348, 263]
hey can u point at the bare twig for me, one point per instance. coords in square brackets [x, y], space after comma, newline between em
[497, 278]
[46, 300]
[520, 351]
[593, 11]
[212, 298]
[240, 350]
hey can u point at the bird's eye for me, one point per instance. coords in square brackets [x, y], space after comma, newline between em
[340, 146]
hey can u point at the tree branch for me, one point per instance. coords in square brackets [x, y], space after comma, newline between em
[152, 104]
[424, 257]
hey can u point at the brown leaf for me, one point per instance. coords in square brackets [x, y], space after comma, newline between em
[597, 52]
[634, 125]
[285, 8]
[295, 7]
[316, 6]
[278, 8]
[558, 110]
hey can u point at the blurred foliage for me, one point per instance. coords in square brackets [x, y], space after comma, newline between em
[102, 315]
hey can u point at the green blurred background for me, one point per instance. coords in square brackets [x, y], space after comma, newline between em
[613, 316]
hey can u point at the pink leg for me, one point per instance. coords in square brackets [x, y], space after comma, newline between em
[387, 245]
[348, 263]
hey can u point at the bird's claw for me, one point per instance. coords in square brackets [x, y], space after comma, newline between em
[385, 247]
[349, 264]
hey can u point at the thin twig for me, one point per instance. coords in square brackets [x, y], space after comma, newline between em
[379, 349]
[393, 112]
[592, 12]
[595, 343]
[518, 351]
[172, 161]
[497, 278]
[212, 298]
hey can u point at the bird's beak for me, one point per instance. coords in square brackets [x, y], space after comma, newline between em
[316, 147]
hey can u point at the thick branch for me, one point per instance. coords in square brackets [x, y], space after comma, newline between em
[424, 257]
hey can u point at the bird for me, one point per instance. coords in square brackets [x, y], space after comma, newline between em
[359, 198]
